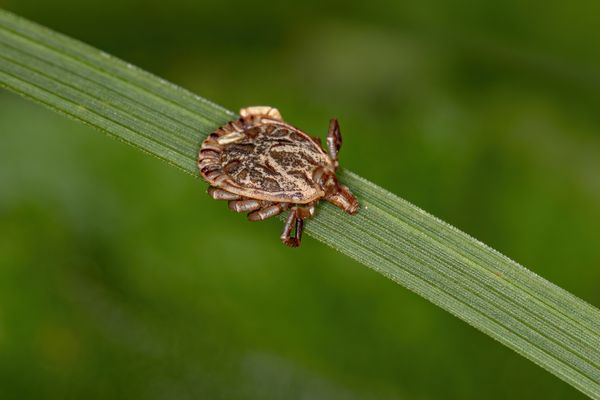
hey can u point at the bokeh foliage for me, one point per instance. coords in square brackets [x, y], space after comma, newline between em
[119, 286]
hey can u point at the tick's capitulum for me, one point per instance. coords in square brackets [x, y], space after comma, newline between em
[264, 166]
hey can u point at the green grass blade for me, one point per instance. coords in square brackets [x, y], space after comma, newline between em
[511, 304]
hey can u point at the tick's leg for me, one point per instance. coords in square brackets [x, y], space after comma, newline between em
[334, 140]
[317, 140]
[342, 197]
[220, 194]
[261, 111]
[245, 205]
[336, 193]
[299, 226]
[268, 211]
[324, 178]
[296, 220]
[292, 222]
[306, 212]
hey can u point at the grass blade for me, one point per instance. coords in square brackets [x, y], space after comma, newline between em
[511, 304]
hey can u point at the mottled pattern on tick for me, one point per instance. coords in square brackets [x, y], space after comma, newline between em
[270, 160]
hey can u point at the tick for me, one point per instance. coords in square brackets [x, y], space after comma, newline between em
[264, 166]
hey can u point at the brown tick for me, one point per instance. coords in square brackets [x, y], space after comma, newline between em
[265, 166]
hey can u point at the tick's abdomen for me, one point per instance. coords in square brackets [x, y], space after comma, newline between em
[276, 160]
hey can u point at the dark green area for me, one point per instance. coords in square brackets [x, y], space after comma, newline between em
[120, 278]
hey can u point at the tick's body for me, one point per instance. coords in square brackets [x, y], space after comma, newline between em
[265, 166]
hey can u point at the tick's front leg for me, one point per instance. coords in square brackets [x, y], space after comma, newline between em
[334, 140]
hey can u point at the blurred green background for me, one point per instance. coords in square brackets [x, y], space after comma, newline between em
[120, 278]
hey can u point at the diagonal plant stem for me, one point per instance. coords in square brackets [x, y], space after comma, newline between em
[537, 319]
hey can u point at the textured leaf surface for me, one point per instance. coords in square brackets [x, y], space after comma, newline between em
[513, 305]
